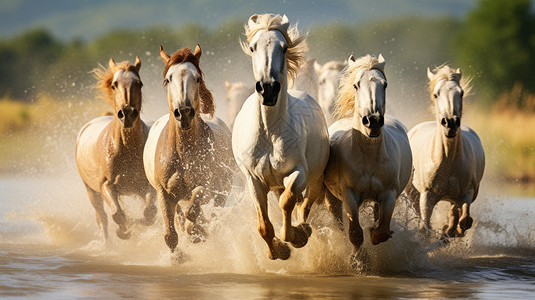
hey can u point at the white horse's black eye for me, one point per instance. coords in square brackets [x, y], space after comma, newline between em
[386, 84]
[462, 94]
[165, 81]
[284, 49]
[251, 49]
[357, 85]
[114, 85]
[198, 79]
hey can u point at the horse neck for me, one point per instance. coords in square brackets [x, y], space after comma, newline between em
[447, 148]
[360, 140]
[182, 140]
[127, 137]
[273, 116]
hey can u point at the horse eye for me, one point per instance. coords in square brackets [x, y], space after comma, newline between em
[165, 81]
[114, 85]
[357, 85]
[462, 94]
[435, 95]
[386, 84]
[198, 79]
[284, 49]
[251, 49]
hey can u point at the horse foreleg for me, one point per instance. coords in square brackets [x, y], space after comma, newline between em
[112, 198]
[335, 207]
[98, 203]
[465, 221]
[352, 203]
[168, 206]
[386, 203]
[453, 219]
[150, 210]
[294, 185]
[426, 209]
[193, 213]
[276, 248]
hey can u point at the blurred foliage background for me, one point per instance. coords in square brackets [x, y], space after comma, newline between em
[494, 44]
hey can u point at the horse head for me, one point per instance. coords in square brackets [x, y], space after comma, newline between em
[186, 93]
[276, 51]
[370, 94]
[445, 86]
[121, 85]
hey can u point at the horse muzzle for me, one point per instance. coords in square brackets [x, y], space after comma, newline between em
[451, 125]
[269, 92]
[374, 122]
[184, 117]
[128, 115]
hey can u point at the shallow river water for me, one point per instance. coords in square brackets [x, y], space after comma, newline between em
[50, 247]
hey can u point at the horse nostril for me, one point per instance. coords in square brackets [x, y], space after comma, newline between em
[120, 114]
[134, 113]
[444, 122]
[192, 113]
[276, 87]
[176, 113]
[259, 87]
[365, 121]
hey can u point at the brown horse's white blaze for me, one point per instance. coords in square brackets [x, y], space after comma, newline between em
[448, 157]
[187, 156]
[370, 153]
[109, 149]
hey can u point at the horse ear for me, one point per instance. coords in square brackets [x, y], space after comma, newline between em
[227, 84]
[165, 57]
[137, 64]
[429, 74]
[351, 59]
[382, 61]
[198, 52]
[317, 67]
[252, 20]
[111, 63]
[458, 71]
[285, 22]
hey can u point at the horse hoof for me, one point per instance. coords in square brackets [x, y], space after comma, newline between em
[306, 228]
[123, 235]
[377, 237]
[358, 261]
[300, 236]
[150, 215]
[280, 250]
[466, 223]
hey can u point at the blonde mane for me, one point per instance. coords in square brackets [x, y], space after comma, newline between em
[297, 46]
[444, 72]
[104, 77]
[345, 104]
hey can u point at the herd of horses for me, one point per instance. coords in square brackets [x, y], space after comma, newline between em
[281, 142]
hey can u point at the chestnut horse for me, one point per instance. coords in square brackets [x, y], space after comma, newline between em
[109, 149]
[188, 156]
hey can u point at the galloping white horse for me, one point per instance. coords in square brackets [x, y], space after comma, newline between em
[280, 139]
[329, 76]
[370, 154]
[448, 158]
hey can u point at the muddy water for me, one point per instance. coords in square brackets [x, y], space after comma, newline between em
[50, 247]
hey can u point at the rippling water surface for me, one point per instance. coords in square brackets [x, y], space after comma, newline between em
[50, 247]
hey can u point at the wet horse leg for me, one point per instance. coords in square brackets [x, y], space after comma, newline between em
[453, 219]
[150, 210]
[314, 192]
[352, 203]
[465, 221]
[112, 198]
[168, 205]
[276, 248]
[386, 203]
[98, 204]
[334, 206]
[426, 209]
[294, 185]
[193, 213]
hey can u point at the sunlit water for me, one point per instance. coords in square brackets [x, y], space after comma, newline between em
[51, 247]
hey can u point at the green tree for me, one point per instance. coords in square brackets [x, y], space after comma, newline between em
[497, 44]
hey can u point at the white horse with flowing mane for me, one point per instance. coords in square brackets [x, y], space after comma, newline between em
[280, 139]
[448, 158]
[370, 154]
[329, 75]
